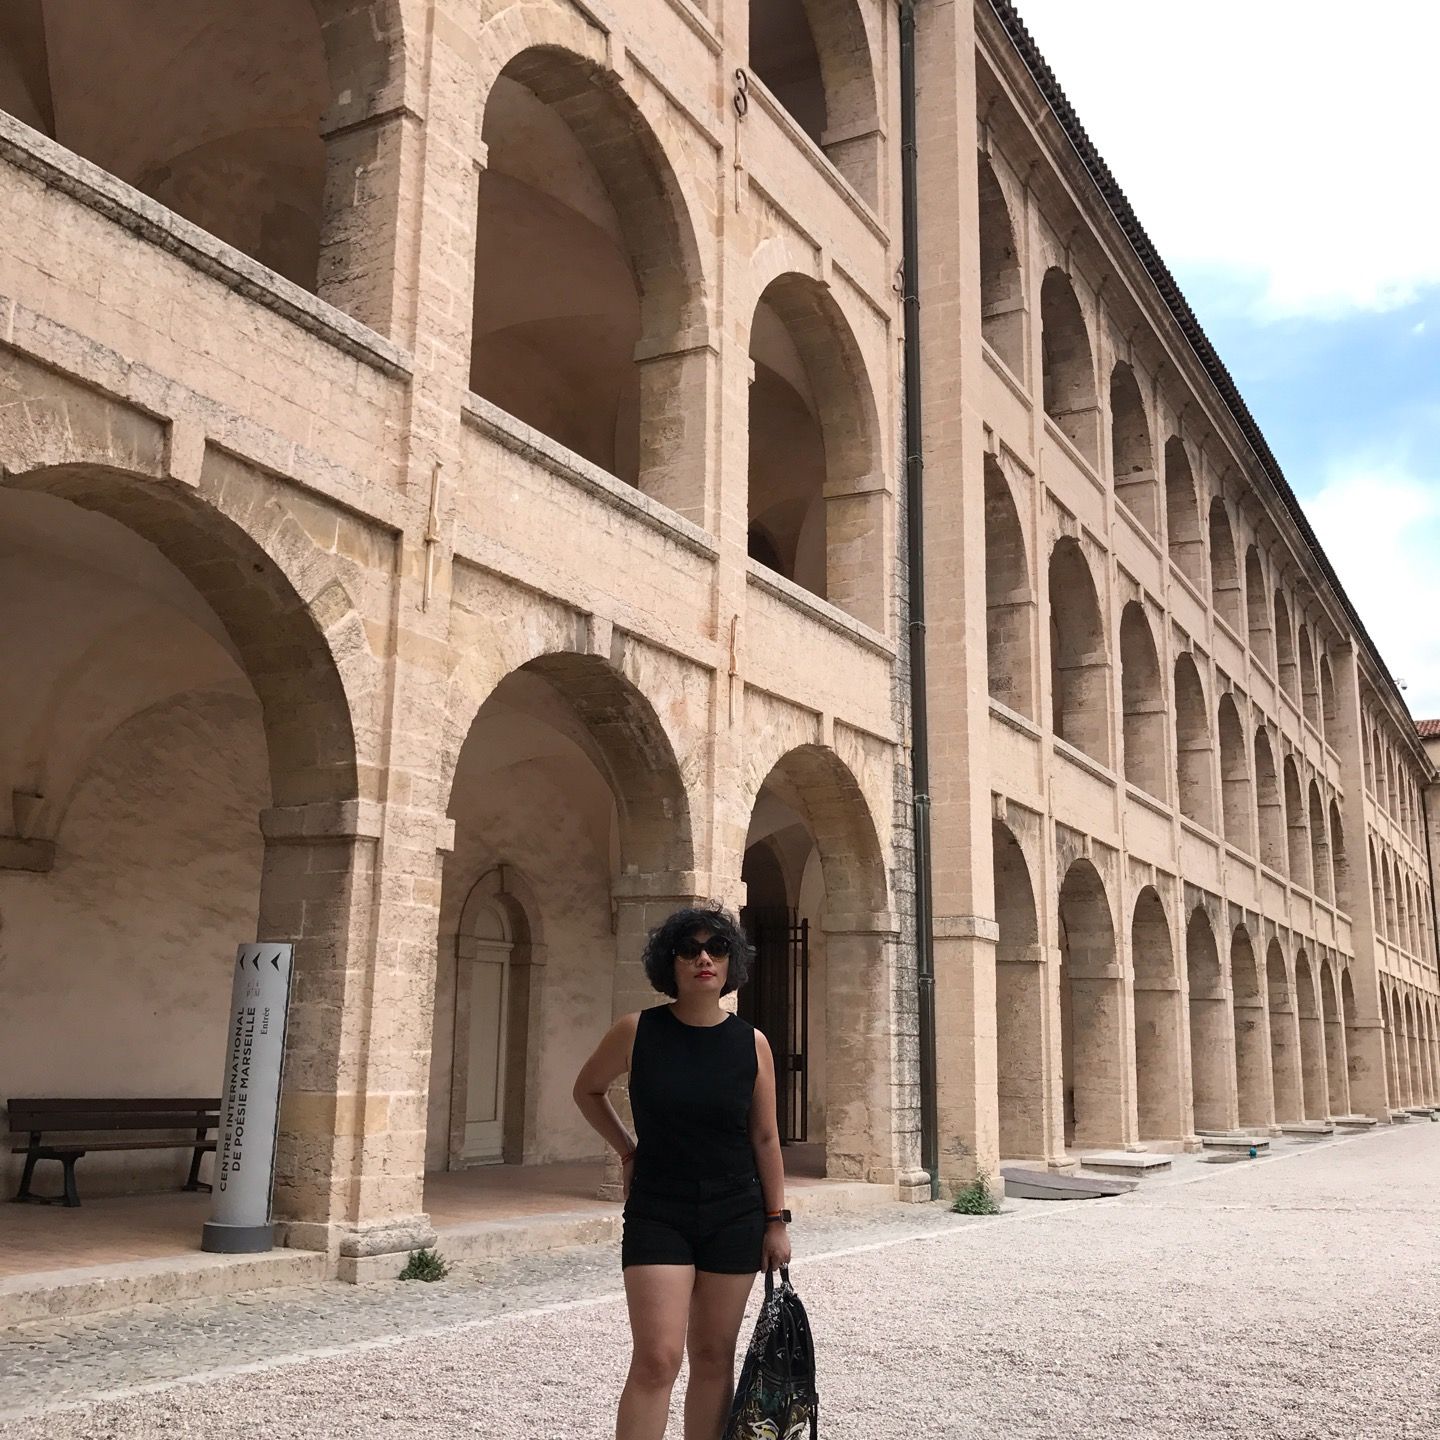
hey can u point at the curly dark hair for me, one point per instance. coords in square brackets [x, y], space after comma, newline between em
[659, 957]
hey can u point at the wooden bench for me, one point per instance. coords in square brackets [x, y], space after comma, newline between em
[64, 1130]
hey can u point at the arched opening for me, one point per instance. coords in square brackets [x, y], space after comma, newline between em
[815, 60]
[1019, 1005]
[1320, 847]
[1079, 674]
[1387, 881]
[143, 634]
[820, 991]
[1159, 1066]
[1182, 514]
[1194, 749]
[1257, 607]
[1377, 893]
[1356, 1066]
[1225, 590]
[816, 486]
[1340, 866]
[1314, 1090]
[1296, 829]
[1284, 1039]
[1132, 453]
[1143, 699]
[1285, 647]
[1002, 294]
[1255, 1101]
[1415, 1081]
[1211, 1086]
[1009, 602]
[1337, 1069]
[1392, 1047]
[222, 109]
[1092, 1065]
[1327, 698]
[1268, 805]
[1235, 776]
[1068, 366]
[1309, 680]
[565, 785]
[589, 319]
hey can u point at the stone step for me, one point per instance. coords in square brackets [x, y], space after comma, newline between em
[1356, 1122]
[1023, 1184]
[1420, 1112]
[1400, 1117]
[1128, 1163]
[1241, 1143]
[1308, 1129]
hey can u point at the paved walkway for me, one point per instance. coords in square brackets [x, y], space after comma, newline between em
[1290, 1297]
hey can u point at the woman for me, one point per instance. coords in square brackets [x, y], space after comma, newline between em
[704, 1181]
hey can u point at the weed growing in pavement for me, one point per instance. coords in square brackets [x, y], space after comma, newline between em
[425, 1265]
[976, 1199]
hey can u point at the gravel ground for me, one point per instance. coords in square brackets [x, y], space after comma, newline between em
[1295, 1297]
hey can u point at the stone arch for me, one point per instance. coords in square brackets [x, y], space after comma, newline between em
[1093, 1071]
[1002, 288]
[590, 304]
[1182, 514]
[1268, 805]
[1235, 776]
[1328, 709]
[1255, 1100]
[1314, 1088]
[811, 803]
[1159, 1063]
[1211, 1050]
[1225, 589]
[1143, 701]
[1257, 608]
[1297, 828]
[1009, 600]
[815, 58]
[1079, 669]
[1309, 681]
[1387, 886]
[1019, 1004]
[1320, 861]
[1068, 365]
[1194, 747]
[291, 812]
[1284, 1038]
[1132, 452]
[816, 471]
[1339, 863]
[1377, 890]
[1285, 647]
[1337, 1068]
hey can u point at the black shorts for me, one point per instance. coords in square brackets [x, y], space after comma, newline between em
[716, 1228]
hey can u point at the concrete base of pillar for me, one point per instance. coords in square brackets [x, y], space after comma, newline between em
[912, 1187]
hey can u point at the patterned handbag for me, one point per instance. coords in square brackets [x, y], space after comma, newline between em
[776, 1397]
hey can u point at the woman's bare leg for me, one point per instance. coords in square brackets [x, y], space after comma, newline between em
[716, 1310]
[658, 1297]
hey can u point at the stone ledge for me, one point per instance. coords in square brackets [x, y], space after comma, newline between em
[534, 445]
[831, 616]
[148, 220]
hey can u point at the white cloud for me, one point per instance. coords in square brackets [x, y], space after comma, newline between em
[1288, 142]
[1380, 526]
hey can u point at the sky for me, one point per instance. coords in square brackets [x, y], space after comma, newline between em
[1281, 155]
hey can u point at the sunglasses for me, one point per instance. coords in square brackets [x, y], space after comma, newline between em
[717, 947]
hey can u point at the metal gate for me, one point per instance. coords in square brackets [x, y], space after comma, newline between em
[777, 1003]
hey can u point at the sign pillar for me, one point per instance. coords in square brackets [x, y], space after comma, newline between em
[250, 1102]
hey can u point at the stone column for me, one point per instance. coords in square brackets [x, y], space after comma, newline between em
[349, 1172]
[677, 409]
[1254, 1080]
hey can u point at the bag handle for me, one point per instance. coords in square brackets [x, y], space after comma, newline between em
[770, 1280]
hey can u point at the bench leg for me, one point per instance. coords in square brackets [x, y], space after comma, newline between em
[23, 1193]
[72, 1195]
[193, 1183]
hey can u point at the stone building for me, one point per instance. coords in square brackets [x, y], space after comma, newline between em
[450, 514]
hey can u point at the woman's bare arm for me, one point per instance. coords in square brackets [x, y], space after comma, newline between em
[609, 1062]
[765, 1141]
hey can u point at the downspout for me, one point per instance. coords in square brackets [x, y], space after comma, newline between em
[915, 535]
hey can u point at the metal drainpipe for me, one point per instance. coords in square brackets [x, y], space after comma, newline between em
[915, 529]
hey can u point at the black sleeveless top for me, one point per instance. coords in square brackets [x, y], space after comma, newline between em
[690, 1093]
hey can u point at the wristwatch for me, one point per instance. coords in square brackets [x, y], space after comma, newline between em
[780, 1217]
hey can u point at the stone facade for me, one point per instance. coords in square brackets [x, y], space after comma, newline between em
[451, 515]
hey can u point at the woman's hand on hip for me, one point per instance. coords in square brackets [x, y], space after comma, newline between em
[776, 1250]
